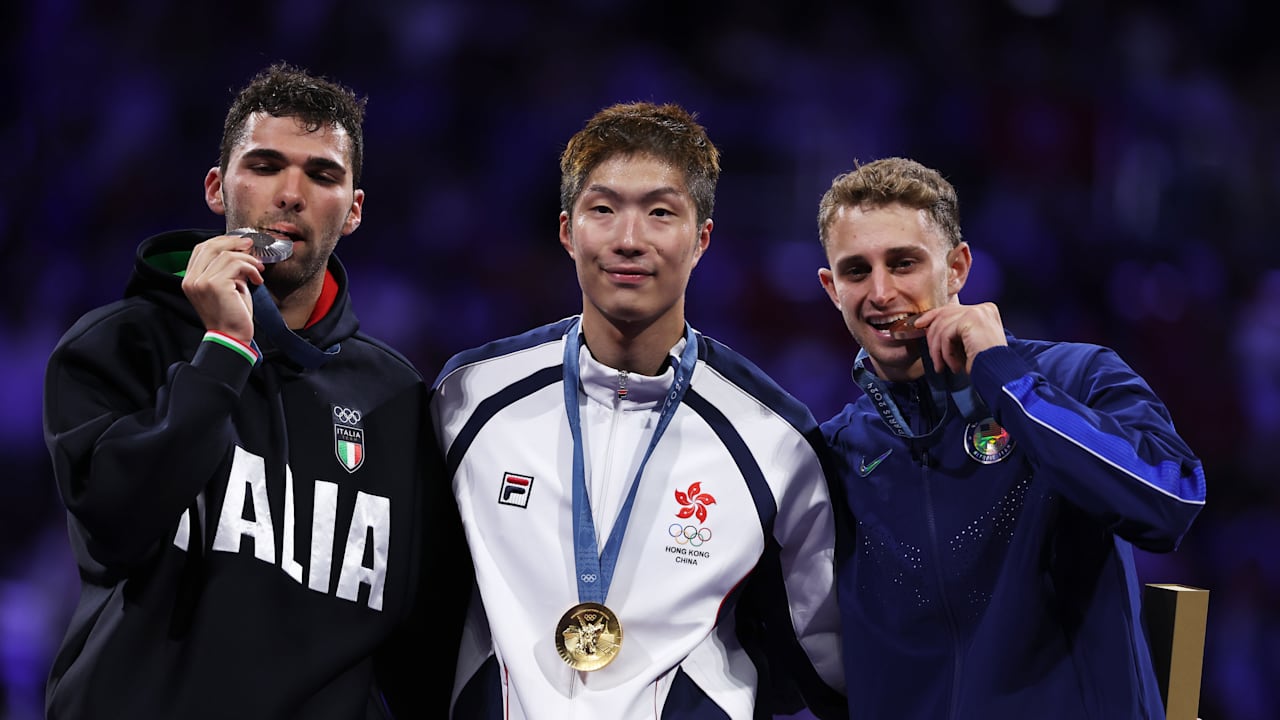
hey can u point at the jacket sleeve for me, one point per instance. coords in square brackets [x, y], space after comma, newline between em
[133, 443]
[431, 633]
[1099, 432]
[800, 611]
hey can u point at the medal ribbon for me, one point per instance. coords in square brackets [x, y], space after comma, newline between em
[595, 567]
[942, 385]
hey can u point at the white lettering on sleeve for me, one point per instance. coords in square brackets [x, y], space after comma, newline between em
[182, 537]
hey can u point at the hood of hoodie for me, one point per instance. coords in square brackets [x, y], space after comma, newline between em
[160, 259]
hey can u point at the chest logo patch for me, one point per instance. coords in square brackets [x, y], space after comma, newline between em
[865, 468]
[348, 437]
[694, 502]
[689, 538]
[515, 490]
[987, 442]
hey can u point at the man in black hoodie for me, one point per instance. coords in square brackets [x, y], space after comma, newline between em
[251, 496]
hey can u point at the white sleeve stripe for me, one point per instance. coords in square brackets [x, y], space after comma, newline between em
[1126, 462]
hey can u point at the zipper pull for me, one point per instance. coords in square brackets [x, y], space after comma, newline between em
[622, 384]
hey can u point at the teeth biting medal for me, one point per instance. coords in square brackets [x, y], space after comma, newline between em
[905, 328]
[266, 247]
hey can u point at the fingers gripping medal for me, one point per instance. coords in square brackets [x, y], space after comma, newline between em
[588, 636]
[267, 248]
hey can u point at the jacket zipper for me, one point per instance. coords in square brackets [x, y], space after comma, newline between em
[958, 664]
[931, 522]
[604, 483]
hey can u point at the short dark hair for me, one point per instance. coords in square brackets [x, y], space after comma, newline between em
[283, 90]
[892, 181]
[667, 132]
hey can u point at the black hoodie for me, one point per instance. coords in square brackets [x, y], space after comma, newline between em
[251, 538]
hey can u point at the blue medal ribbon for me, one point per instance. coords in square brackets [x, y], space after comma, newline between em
[595, 567]
[941, 385]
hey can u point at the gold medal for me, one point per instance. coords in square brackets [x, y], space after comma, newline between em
[588, 636]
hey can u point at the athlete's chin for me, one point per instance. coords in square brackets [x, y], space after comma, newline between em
[626, 307]
[283, 278]
[629, 317]
[891, 360]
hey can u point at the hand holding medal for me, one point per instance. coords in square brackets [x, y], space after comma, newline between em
[266, 247]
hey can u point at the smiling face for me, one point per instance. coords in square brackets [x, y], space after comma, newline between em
[294, 183]
[886, 263]
[635, 237]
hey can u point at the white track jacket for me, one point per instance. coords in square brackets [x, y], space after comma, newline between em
[724, 579]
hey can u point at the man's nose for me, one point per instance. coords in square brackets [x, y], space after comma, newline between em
[289, 195]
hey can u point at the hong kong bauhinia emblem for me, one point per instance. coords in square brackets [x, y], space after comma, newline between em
[348, 437]
[694, 502]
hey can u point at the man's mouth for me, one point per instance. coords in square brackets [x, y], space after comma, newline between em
[290, 235]
[900, 326]
[628, 273]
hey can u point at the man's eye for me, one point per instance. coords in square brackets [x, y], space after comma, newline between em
[602, 209]
[663, 212]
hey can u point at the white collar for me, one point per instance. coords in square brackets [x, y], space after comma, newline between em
[644, 392]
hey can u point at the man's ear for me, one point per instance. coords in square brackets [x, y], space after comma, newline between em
[566, 234]
[355, 215]
[704, 241]
[213, 191]
[828, 282]
[959, 260]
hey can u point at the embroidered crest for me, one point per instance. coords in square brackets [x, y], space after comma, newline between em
[348, 437]
[987, 442]
[690, 538]
[515, 489]
[694, 502]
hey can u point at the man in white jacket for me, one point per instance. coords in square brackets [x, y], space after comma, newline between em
[647, 512]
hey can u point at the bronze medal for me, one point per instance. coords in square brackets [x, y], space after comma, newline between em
[905, 328]
[588, 636]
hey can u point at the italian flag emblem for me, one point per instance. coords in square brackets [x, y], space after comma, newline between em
[349, 446]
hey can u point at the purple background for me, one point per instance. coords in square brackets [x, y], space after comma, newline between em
[1116, 163]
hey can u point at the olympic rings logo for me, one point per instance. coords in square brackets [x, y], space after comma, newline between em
[588, 577]
[689, 535]
[345, 415]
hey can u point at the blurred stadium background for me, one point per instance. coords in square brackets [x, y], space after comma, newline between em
[1117, 165]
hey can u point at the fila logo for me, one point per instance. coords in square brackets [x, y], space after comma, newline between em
[515, 490]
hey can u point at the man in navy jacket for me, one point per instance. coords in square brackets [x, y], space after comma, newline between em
[994, 487]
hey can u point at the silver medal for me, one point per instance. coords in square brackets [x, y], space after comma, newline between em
[267, 248]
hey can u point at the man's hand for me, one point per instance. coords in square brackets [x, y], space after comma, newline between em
[220, 276]
[957, 333]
